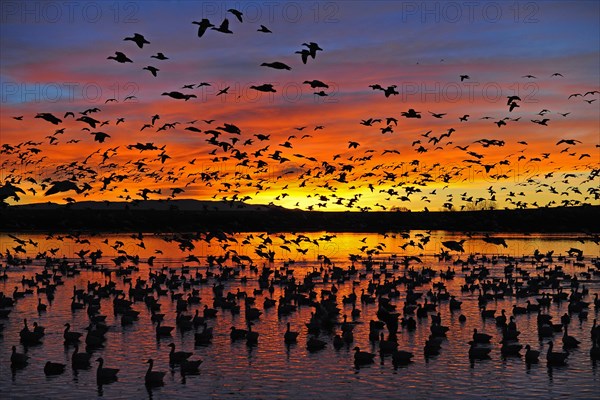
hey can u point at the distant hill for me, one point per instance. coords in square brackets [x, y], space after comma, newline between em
[193, 215]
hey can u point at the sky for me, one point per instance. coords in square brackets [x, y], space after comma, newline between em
[320, 152]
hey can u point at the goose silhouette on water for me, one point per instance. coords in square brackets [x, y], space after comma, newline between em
[190, 367]
[531, 356]
[52, 368]
[362, 357]
[510, 334]
[70, 337]
[595, 331]
[289, 336]
[209, 312]
[176, 357]
[431, 348]
[18, 360]
[387, 346]
[569, 342]
[595, 350]
[38, 329]
[95, 335]
[409, 323]
[401, 357]
[313, 344]
[485, 313]
[251, 336]
[29, 337]
[477, 352]
[510, 349]
[80, 360]
[481, 337]
[519, 310]
[41, 307]
[204, 337]
[105, 375]
[153, 378]
[338, 342]
[501, 319]
[162, 331]
[555, 357]
[237, 334]
[532, 307]
[197, 321]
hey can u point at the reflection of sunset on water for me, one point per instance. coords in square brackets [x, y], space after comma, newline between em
[258, 370]
[336, 246]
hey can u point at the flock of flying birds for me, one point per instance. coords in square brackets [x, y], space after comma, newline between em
[261, 164]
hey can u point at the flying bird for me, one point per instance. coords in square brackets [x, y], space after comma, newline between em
[276, 65]
[203, 25]
[570, 142]
[223, 91]
[316, 84]
[304, 55]
[100, 136]
[152, 69]
[411, 113]
[49, 117]
[62, 186]
[434, 115]
[140, 40]
[312, 48]
[160, 56]
[179, 95]
[119, 57]
[541, 122]
[238, 14]
[223, 28]
[266, 87]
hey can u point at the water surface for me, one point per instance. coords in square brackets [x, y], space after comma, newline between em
[272, 370]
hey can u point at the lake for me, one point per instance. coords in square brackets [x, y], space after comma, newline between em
[271, 369]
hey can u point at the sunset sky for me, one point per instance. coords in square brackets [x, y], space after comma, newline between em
[54, 60]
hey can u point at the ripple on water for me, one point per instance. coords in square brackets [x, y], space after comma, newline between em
[272, 370]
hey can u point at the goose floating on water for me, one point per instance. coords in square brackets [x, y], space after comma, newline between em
[555, 357]
[362, 357]
[105, 375]
[176, 357]
[153, 378]
[52, 368]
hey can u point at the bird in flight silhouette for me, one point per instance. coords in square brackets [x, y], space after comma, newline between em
[119, 57]
[203, 25]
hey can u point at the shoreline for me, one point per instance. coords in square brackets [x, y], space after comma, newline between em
[275, 219]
